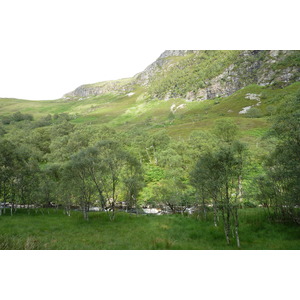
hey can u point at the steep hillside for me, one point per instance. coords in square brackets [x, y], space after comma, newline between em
[201, 75]
[209, 74]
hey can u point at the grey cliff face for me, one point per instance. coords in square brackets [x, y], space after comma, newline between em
[249, 72]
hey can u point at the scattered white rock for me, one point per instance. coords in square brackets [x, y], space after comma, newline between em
[167, 96]
[274, 53]
[190, 210]
[173, 107]
[94, 209]
[130, 94]
[245, 110]
[250, 96]
[150, 210]
[181, 106]
[253, 96]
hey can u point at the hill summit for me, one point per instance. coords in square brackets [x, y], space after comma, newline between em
[204, 74]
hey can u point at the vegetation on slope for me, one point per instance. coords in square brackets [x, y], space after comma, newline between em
[191, 73]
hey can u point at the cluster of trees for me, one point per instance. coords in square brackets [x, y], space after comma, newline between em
[61, 165]
[80, 166]
[56, 162]
[18, 175]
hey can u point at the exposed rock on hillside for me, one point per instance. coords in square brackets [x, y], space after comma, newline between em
[199, 75]
[121, 86]
[161, 64]
[260, 67]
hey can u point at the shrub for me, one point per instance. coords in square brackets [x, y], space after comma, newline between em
[254, 112]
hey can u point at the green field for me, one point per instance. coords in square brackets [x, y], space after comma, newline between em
[129, 232]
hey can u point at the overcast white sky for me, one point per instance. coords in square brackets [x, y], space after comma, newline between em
[49, 47]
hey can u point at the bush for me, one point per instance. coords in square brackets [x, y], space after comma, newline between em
[6, 120]
[254, 112]
[18, 116]
[2, 131]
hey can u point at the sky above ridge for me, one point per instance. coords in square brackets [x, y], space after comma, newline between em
[50, 47]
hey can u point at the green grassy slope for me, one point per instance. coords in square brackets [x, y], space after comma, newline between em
[124, 112]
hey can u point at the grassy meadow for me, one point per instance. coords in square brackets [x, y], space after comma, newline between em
[53, 230]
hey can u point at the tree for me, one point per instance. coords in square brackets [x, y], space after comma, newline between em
[18, 175]
[226, 130]
[103, 170]
[205, 180]
[133, 181]
[48, 190]
[217, 175]
[114, 163]
[7, 174]
[282, 166]
[156, 143]
[170, 193]
[77, 180]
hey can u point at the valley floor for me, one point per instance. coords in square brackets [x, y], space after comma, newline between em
[54, 230]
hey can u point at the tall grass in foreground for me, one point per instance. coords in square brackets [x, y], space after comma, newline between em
[57, 231]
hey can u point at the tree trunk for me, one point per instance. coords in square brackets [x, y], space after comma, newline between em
[240, 189]
[237, 227]
[204, 208]
[85, 214]
[215, 213]
[226, 231]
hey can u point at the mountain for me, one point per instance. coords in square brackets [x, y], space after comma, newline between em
[200, 75]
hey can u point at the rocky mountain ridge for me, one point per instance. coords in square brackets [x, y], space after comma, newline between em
[169, 76]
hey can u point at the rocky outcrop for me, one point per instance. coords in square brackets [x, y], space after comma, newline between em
[162, 63]
[121, 86]
[246, 72]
